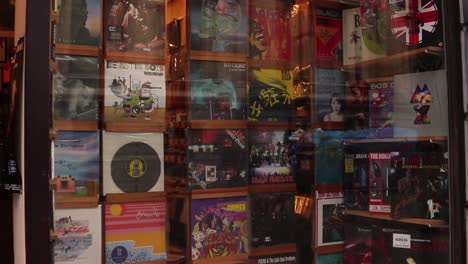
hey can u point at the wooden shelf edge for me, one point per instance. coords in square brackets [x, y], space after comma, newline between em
[73, 202]
[217, 124]
[219, 192]
[154, 262]
[135, 197]
[77, 125]
[273, 250]
[236, 259]
[79, 50]
[217, 56]
[321, 250]
[134, 127]
[398, 139]
[136, 57]
[270, 125]
[328, 188]
[417, 221]
[272, 188]
[7, 33]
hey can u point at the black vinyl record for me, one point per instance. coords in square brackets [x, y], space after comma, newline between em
[136, 167]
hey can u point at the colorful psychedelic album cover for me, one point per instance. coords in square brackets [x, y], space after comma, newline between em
[379, 182]
[270, 30]
[135, 26]
[76, 164]
[381, 109]
[332, 258]
[328, 157]
[217, 158]
[270, 95]
[219, 227]
[218, 26]
[357, 105]
[421, 104]
[218, 90]
[75, 88]
[134, 92]
[328, 36]
[272, 155]
[358, 244]
[78, 236]
[79, 22]
[288, 258]
[330, 219]
[330, 96]
[420, 185]
[272, 216]
[135, 232]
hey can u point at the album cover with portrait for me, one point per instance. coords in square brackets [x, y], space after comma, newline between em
[329, 89]
[75, 88]
[133, 162]
[217, 90]
[218, 26]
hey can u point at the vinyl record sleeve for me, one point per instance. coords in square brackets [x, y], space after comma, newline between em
[330, 229]
[79, 236]
[139, 171]
[329, 88]
[328, 36]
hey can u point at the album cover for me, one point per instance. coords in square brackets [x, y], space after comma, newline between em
[421, 104]
[328, 157]
[135, 232]
[219, 26]
[217, 158]
[356, 178]
[134, 92]
[270, 30]
[379, 182]
[329, 96]
[272, 216]
[79, 22]
[357, 105]
[328, 36]
[277, 259]
[352, 36]
[217, 90]
[75, 88]
[219, 227]
[135, 26]
[330, 219]
[76, 163]
[78, 236]
[270, 95]
[271, 157]
[358, 244]
[334, 258]
[420, 185]
[133, 162]
[381, 108]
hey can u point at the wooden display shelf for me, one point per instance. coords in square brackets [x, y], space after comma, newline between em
[217, 124]
[416, 221]
[337, 4]
[72, 125]
[329, 64]
[236, 259]
[219, 192]
[135, 127]
[269, 64]
[273, 250]
[270, 125]
[399, 139]
[71, 202]
[328, 188]
[388, 61]
[154, 262]
[136, 57]
[135, 197]
[269, 188]
[80, 50]
[7, 33]
[321, 250]
[217, 56]
[175, 259]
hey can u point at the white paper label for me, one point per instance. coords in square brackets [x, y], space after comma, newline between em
[401, 241]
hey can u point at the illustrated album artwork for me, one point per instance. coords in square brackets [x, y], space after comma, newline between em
[218, 26]
[269, 30]
[135, 26]
[75, 88]
[330, 96]
[330, 222]
[217, 90]
[79, 22]
[271, 156]
[270, 95]
[76, 163]
[217, 158]
[328, 36]
[134, 92]
[133, 162]
[79, 236]
[219, 227]
[381, 108]
[135, 232]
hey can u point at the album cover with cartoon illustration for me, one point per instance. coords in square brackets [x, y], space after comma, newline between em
[76, 163]
[328, 35]
[217, 90]
[381, 108]
[135, 232]
[217, 158]
[75, 88]
[270, 30]
[421, 104]
[218, 25]
[79, 22]
[78, 236]
[272, 215]
[357, 105]
[270, 94]
[133, 162]
[134, 92]
[330, 103]
[135, 26]
[271, 156]
[219, 227]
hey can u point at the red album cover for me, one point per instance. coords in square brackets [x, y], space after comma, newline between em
[328, 36]
[379, 193]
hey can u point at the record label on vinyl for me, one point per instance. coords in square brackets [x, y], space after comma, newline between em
[136, 167]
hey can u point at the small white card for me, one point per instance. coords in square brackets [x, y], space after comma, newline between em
[401, 241]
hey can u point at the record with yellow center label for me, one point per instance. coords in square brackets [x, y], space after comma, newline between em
[135, 167]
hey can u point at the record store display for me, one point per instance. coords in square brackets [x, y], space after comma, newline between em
[133, 162]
